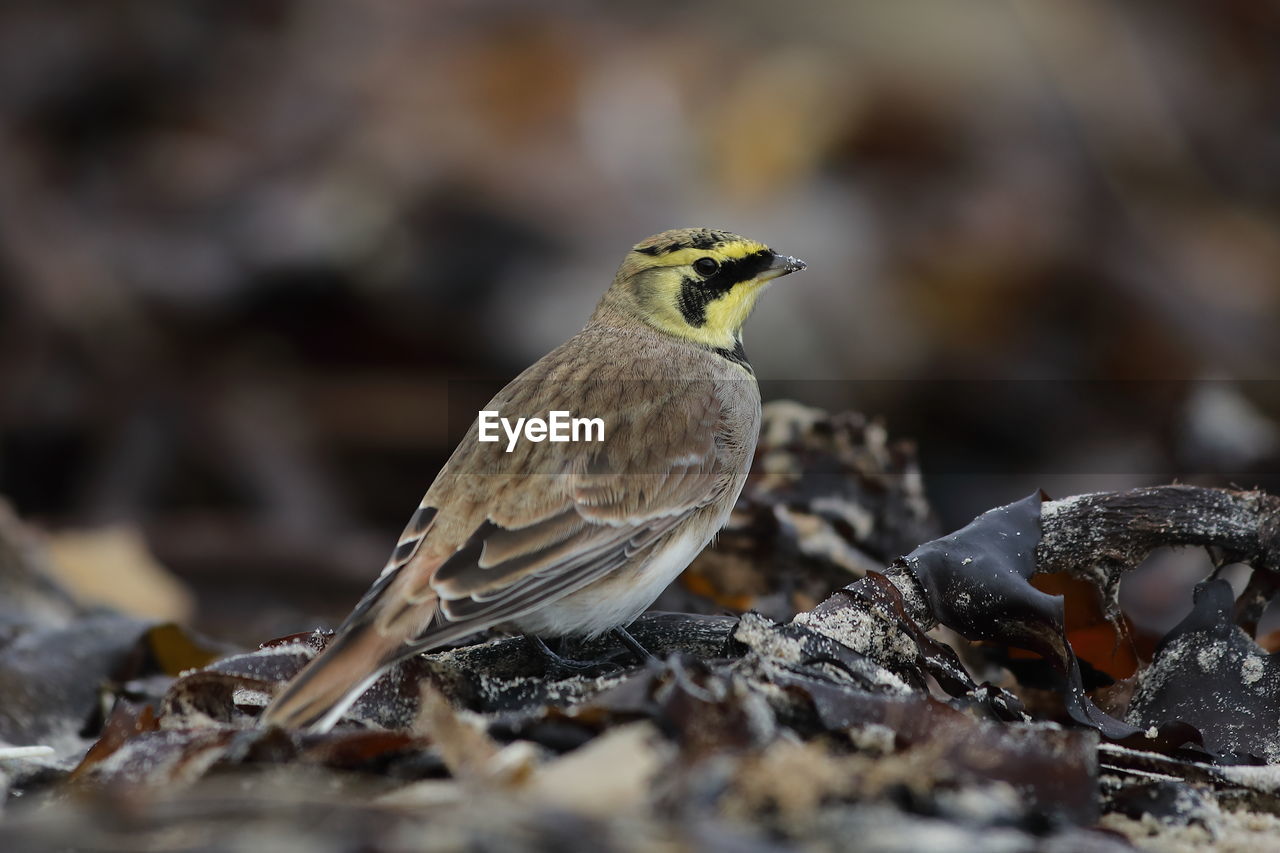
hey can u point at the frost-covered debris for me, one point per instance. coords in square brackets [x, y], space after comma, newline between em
[977, 581]
[1209, 673]
[829, 498]
[851, 719]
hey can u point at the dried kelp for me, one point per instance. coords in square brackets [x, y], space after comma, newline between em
[850, 717]
[1210, 674]
[977, 582]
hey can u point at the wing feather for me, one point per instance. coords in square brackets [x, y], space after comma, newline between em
[663, 463]
[500, 534]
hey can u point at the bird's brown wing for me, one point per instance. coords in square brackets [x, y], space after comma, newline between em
[562, 515]
[498, 536]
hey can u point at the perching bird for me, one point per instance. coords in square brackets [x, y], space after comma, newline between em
[575, 538]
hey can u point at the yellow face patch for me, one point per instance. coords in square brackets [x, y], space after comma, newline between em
[704, 294]
[699, 284]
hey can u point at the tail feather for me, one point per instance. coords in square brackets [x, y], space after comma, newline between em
[392, 622]
[327, 686]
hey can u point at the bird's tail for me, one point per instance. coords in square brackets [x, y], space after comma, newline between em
[327, 686]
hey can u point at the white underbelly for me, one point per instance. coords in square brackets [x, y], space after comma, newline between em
[619, 598]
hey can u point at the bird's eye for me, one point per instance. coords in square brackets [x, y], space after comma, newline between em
[706, 266]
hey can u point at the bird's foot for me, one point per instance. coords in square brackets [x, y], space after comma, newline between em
[559, 663]
[643, 656]
[559, 667]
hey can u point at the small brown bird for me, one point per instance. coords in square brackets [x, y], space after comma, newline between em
[575, 538]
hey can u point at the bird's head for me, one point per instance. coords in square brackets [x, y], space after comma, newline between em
[697, 283]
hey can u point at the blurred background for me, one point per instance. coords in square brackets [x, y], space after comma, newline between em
[248, 248]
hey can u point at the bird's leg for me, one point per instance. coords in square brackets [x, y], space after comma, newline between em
[558, 666]
[643, 655]
[552, 657]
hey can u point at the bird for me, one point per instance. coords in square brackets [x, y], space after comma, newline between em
[575, 539]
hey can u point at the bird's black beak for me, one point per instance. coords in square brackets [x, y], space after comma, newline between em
[783, 265]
